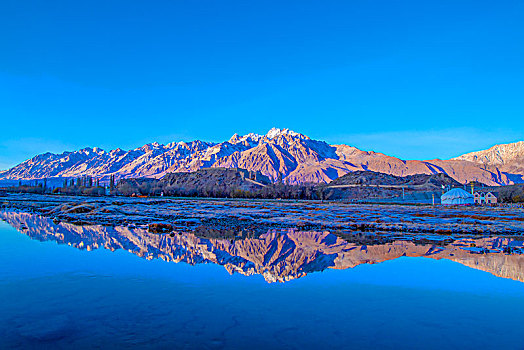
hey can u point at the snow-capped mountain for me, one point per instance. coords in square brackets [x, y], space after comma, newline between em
[281, 153]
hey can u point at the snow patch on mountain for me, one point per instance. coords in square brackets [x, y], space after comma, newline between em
[275, 132]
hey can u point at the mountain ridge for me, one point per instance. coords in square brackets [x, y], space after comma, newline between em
[508, 157]
[280, 154]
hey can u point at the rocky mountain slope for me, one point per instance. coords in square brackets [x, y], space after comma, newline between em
[508, 158]
[203, 182]
[279, 154]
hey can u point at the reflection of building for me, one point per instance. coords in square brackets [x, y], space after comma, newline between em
[485, 198]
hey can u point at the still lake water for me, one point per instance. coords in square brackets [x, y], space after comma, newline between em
[59, 297]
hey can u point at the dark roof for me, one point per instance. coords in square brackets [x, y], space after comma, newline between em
[495, 193]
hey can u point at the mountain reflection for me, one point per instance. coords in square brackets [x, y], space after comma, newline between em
[279, 255]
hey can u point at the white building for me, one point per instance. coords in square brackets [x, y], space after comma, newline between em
[457, 196]
[485, 198]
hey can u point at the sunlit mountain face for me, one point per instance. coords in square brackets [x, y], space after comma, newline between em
[278, 255]
[279, 154]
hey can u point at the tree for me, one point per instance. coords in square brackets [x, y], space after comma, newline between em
[320, 194]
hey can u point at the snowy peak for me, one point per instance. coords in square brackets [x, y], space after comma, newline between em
[250, 138]
[88, 151]
[276, 132]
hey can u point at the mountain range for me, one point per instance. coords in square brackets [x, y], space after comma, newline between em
[280, 154]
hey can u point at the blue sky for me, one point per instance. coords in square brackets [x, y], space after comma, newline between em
[413, 79]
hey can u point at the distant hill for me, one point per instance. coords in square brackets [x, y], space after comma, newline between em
[279, 154]
[369, 184]
[207, 182]
[421, 182]
[216, 177]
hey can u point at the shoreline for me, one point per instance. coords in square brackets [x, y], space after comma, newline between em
[256, 216]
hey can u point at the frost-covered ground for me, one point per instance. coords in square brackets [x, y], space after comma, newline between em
[257, 216]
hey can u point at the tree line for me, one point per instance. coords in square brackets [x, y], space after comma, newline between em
[84, 185]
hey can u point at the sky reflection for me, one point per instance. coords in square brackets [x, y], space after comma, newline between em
[59, 296]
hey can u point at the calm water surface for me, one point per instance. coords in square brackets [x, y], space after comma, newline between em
[57, 296]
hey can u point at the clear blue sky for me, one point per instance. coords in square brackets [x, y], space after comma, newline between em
[414, 79]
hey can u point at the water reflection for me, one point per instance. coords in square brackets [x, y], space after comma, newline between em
[279, 256]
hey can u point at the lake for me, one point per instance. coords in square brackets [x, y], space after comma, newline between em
[69, 286]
